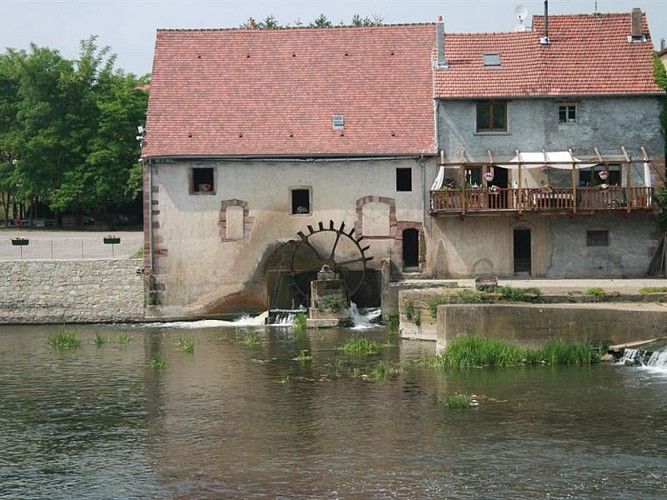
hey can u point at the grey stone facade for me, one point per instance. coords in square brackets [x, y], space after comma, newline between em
[86, 291]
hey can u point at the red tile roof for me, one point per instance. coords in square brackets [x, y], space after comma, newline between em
[274, 92]
[588, 55]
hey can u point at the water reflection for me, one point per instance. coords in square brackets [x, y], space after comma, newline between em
[242, 417]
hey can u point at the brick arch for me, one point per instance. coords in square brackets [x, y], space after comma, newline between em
[222, 221]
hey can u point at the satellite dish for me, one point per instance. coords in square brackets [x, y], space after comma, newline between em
[521, 14]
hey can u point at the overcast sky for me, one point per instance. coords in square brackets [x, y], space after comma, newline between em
[128, 26]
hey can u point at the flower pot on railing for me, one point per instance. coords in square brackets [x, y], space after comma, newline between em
[111, 240]
[20, 241]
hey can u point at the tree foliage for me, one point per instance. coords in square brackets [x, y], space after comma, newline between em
[68, 129]
[271, 23]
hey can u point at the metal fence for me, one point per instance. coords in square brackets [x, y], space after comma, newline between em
[70, 249]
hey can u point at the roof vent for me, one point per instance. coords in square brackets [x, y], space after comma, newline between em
[492, 59]
[338, 122]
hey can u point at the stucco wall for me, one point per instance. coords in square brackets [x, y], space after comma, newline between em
[606, 123]
[86, 291]
[197, 264]
[472, 246]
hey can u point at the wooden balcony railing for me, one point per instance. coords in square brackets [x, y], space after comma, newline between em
[582, 200]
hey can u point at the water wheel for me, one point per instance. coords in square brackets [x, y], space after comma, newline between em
[331, 246]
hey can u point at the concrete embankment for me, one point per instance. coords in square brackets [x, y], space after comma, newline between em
[623, 313]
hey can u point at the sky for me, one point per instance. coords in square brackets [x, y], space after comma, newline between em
[128, 26]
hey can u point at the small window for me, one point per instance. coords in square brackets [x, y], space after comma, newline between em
[338, 122]
[567, 113]
[202, 181]
[300, 201]
[491, 59]
[403, 179]
[597, 238]
[491, 117]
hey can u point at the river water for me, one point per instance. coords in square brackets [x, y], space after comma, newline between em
[240, 417]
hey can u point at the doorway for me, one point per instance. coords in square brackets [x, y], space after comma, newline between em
[410, 248]
[522, 264]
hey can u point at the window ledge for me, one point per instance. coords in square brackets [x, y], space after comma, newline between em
[491, 132]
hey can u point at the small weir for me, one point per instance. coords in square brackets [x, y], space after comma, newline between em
[650, 358]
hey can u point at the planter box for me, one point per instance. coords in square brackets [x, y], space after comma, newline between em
[111, 241]
[20, 242]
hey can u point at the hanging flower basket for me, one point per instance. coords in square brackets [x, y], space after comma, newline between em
[489, 176]
[603, 174]
[111, 240]
[20, 241]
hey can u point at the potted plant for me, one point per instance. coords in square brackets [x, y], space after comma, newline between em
[20, 241]
[493, 189]
[111, 240]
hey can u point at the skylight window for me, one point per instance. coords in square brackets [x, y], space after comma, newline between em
[492, 59]
[338, 122]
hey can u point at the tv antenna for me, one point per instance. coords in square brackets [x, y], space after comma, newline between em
[521, 13]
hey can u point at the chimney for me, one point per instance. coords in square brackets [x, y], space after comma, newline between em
[636, 34]
[440, 61]
[545, 39]
[663, 45]
[636, 30]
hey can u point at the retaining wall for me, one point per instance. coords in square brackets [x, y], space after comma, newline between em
[84, 291]
[533, 324]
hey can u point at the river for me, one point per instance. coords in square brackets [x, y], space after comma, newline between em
[248, 415]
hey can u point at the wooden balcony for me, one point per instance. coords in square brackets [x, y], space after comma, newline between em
[544, 201]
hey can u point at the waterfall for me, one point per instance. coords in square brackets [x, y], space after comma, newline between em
[656, 360]
[363, 320]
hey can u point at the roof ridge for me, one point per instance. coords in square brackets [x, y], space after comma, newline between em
[299, 28]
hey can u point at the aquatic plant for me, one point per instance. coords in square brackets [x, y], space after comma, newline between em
[300, 321]
[393, 324]
[435, 302]
[556, 352]
[124, 338]
[100, 340]
[64, 339]
[186, 345]
[653, 289]
[361, 345]
[159, 361]
[383, 371]
[303, 356]
[251, 338]
[457, 401]
[470, 351]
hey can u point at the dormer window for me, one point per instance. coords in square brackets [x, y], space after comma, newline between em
[492, 59]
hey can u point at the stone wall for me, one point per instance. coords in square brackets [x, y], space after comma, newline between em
[86, 291]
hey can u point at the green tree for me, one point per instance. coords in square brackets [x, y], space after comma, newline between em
[321, 22]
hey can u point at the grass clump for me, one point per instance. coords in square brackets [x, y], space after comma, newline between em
[100, 340]
[653, 289]
[300, 322]
[595, 292]
[468, 296]
[518, 294]
[124, 338]
[159, 361]
[361, 345]
[251, 338]
[303, 356]
[409, 309]
[475, 352]
[457, 401]
[64, 339]
[186, 345]
[394, 323]
[384, 371]
[435, 302]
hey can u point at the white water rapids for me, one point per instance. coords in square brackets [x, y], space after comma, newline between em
[656, 361]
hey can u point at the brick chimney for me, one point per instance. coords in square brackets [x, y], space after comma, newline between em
[636, 34]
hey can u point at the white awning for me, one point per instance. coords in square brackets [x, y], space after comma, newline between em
[553, 159]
